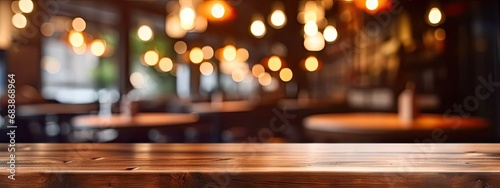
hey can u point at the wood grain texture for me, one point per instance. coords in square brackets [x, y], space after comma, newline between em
[254, 165]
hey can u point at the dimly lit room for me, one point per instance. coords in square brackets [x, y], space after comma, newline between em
[250, 93]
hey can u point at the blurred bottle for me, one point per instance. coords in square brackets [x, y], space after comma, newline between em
[407, 104]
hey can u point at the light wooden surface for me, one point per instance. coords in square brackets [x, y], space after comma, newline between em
[221, 107]
[254, 165]
[44, 109]
[373, 122]
[139, 120]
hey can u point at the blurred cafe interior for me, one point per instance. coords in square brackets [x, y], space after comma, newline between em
[265, 71]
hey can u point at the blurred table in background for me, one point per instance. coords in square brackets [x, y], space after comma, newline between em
[254, 165]
[58, 109]
[221, 107]
[227, 119]
[387, 127]
[138, 125]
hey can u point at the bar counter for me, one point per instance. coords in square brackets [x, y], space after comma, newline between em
[252, 165]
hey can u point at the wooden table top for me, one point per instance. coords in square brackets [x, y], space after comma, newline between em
[261, 165]
[370, 122]
[43, 109]
[139, 120]
[221, 107]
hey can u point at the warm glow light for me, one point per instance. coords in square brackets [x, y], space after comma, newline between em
[257, 69]
[208, 52]
[76, 38]
[165, 64]
[286, 74]
[371, 4]
[151, 57]
[310, 28]
[440, 34]
[26, 6]
[258, 28]
[314, 43]
[145, 33]
[180, 47]
[137, 80]
[265, 79]
[435, 16]
[80, 50]
[330, 34]
[242, 55]
[47, 29]
[311, 64]
[79, 24]
[196, 55]
[51, 65]
[238, 75]
[206, 68]
[173, 26]
[19, 21]
[274, 63]
[218, 10]
[229, 53]
[98, 47]
[187, 17]
[278, 19]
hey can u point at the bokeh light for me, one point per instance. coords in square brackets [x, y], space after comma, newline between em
[137, 80]
[79, 24]
[208, 52]
[274, 63]
[435, 16]
[180, 47]
[265, 79]
[145, 33]
[98, 47]
[311, 64]
[238, 75]
[258, 29]
[165, 64]
[229, 53]
[26, 6]
[76, 38]
[206, 68]
[196, 55]
[19, 21]
[257, 69]
[330, 34]
[286, 74]
[278, 19]
[217, 10]
[151, 57]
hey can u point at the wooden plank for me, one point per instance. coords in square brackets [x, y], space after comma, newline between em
[254, 165]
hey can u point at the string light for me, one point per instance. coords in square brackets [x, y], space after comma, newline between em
[330, 34]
